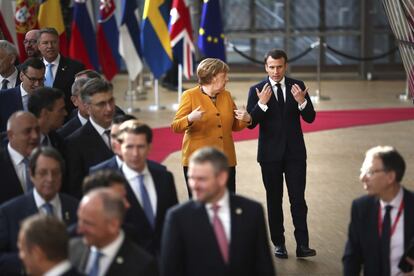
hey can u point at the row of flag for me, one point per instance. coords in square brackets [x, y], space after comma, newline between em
[163, 34]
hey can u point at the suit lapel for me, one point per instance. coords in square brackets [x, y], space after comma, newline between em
[373, 228]
[408, 215]
[236, 213]
[66, 215]
[60, 72]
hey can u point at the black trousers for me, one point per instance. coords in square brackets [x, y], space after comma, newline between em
[231, 182]
[294, 172]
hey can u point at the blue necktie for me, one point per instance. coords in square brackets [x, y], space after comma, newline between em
[49, 75]
[95, 265]
[146, 202]
[29, 184]
[48, 208]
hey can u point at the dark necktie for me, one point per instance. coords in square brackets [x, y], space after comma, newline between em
[280, 99]
[220, 233]
[48, 208]
[4, 83]
[107, 133]
[95, 265]
[146, 202]
[29, 184]
[385, 242]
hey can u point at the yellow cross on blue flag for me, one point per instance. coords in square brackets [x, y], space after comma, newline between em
[210, 35]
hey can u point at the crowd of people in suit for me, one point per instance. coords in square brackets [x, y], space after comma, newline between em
[79, 196]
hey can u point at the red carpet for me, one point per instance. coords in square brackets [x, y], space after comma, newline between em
[166, 142]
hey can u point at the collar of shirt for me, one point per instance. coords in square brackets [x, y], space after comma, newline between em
[23, 92]
[97, 127]
[223, 213]
[119, 161]
[109, 253]
[55, 62]
[82, 119]
[59, 269]
[15, 156]
[131, 174]
[12, 79]
[395, 202]
[55, 203]
[282, 82]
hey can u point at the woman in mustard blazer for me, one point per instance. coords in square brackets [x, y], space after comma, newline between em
[207, 115]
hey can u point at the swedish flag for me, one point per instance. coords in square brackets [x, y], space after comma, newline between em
[211, 36]
[156, 46]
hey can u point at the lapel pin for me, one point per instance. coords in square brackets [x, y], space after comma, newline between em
[119, 260]
[239, 211]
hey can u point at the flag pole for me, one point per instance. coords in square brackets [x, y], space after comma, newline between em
[131, 97]
[156, 106]
[180, 86]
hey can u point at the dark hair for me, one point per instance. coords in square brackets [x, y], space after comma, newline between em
[90, 74]
[102, 178]
[135, 127]
[213, 156]
[43, 97]
[48, 152]
[275, 54]
[391, 160]
[47, 232]
[33, 62]
[48, 30]
[119, 119]
[94, 86]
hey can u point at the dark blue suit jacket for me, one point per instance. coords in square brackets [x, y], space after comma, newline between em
[10, 102]
[189, 245]
[363, 246]
[135, 217]
[11, 214]
[69, 127]
[10, 185]
[83, 149]
[280, 133]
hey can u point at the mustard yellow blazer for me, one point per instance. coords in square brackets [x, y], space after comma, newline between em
[215, 127]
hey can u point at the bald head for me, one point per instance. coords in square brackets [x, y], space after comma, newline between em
[31, 43]
[23, 132]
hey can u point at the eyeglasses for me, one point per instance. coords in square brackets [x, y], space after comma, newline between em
[372, 172]
[33, 80]
[29, 41]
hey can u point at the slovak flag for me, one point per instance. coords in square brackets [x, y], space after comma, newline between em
[107, 36]
[181, 35]
[82, 45]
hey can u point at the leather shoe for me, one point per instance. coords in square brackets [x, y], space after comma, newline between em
[281, 252]
[303, 251]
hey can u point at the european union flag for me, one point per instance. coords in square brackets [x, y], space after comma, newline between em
[211, 36]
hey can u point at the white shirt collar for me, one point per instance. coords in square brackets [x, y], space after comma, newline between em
[82, 119]
[15, 156]
[395, 202]
[132, 174]
[55, 62]
[223, 202]
[12, 78]
[273, 83]
[23, 92]
[119, 161]
[59, 269]
[97, 127]
[39, 200]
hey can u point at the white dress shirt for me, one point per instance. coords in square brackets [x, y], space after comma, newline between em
[82, 119]
[223, 213]
[109, 252]
[273, 83]
[59, 269]
[132, 177]
[54, 67]
[101, 132]
[18, 164]
[12, 79]
[397, 239]
[57, 205]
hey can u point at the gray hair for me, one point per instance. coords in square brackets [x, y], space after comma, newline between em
[77, 86]
[8, 47]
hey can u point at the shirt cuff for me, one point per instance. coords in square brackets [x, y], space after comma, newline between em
[263, 107]
[303, 105]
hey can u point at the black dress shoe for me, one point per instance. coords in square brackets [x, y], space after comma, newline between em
[281, 252]
[304, 251]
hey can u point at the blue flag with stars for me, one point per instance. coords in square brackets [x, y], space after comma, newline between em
[211, 36]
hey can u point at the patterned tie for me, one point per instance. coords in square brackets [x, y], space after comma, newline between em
[25, 102]
[146, 202]
[4, 83]
[96, 256]
[48, 208]
[385, 241]
[280, 99]
[49, 75]
[29, 184]
[220, 234]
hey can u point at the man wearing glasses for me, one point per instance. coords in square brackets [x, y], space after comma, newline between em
[90, 144]
[17, 98]
[382, 222]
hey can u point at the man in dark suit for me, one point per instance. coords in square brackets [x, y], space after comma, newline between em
[17, 98]
[46, 166]
[90, 144]
[276, 104]
[151, 190]
[60, 70]
[104, 248]
[48, 105]
[382, 222]
[43, 247]
[9, 75]
[217, 233]
[23, 135]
